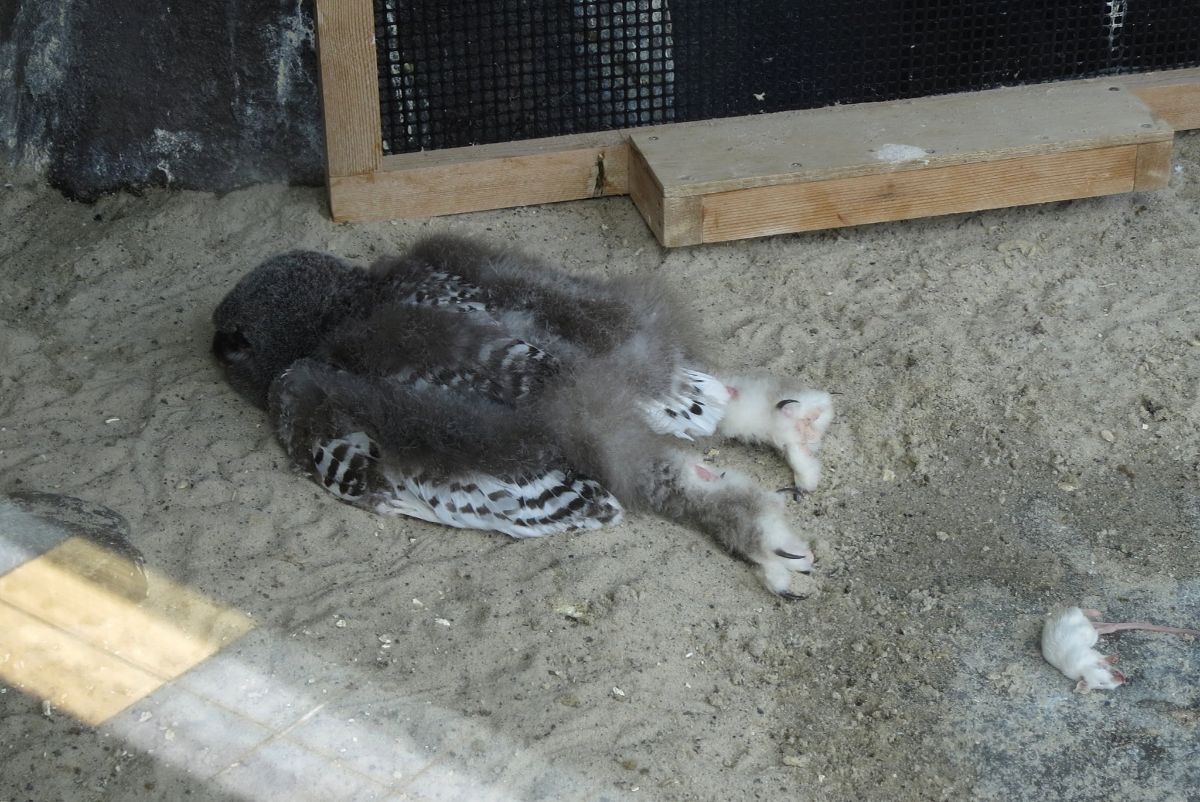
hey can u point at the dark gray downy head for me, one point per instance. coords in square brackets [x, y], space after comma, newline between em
[281, 312]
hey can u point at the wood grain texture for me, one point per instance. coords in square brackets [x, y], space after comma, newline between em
[874, 138]
[409, 187]
[1153, 165]
[1178, 105]
[908, 194]
[683, 221]
[646, 192]
[349, 86]
[482, 154]
[165, 634]
[85, 681]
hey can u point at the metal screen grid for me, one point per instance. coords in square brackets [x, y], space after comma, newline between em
[466, 72]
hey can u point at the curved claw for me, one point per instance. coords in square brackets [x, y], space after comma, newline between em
[785, 402]
[787, 555]
[787, 594]
[796, 492]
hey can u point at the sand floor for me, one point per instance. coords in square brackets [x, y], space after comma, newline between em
[1019, 425]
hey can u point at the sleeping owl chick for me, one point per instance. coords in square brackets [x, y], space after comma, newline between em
[482, 389]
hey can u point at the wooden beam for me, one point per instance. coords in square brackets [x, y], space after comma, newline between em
[1178, 105]
[172, 629]
[848, 165]
[1173, 95]
[349, 87]
[84, 680]
[916, 134]
[905, 195]
[673, 220]
[74, 637]
[1153, 165]
[646, 192]
[491, 177]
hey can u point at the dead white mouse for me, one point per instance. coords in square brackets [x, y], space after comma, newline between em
[1067, 640]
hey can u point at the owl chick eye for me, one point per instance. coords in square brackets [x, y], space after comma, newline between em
[230, 347]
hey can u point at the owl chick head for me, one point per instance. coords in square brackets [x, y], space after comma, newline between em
[281, 312]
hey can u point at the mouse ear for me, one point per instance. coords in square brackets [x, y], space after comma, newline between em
[230, 347]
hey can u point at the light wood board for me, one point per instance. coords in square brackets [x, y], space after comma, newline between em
[349, 86]
[849, 165]
[904, 195]
[85, 647]
[473, 179]
[871, 138]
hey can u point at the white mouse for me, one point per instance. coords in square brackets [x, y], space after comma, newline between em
[1067, 640]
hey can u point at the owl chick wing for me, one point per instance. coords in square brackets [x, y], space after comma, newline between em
[693, 406]
[467, 354]
[630, 323]
[402, 450]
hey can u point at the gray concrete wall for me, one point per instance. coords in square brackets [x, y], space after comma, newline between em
[126, 94]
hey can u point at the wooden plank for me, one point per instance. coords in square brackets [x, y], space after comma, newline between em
[903, 195]
[1153, 165]
[874, 138]
[169, 631]
[1173, 95]
[645, 192]
[85, 681]
[674, 221]
[349, 86]
[482, 154]
[683, 221]
[1179, 105]
[416, 185]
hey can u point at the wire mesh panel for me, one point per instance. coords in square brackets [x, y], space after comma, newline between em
[464, 72]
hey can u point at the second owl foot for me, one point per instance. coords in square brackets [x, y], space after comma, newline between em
[783, 557]
[799, 422]
[764, 410]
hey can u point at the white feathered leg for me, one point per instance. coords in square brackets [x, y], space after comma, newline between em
[762, 410]
[731, 508]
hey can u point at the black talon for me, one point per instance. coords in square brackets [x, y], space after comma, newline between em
[785, 402]
[787, 555]
[797, 493]
[787, 594]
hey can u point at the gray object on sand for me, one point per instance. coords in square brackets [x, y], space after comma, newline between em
[32, 523]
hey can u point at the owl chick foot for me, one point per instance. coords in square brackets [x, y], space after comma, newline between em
[782, 557]
[799, 425]
[746, 519]
[794, 421]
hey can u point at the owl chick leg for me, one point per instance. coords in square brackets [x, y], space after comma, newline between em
[728, 506]
[763, 410]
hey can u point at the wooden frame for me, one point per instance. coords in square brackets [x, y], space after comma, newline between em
[365, 185]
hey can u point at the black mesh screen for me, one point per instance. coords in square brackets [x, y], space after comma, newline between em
[465, 72]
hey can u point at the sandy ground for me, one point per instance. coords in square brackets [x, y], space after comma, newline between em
[1019, 425]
